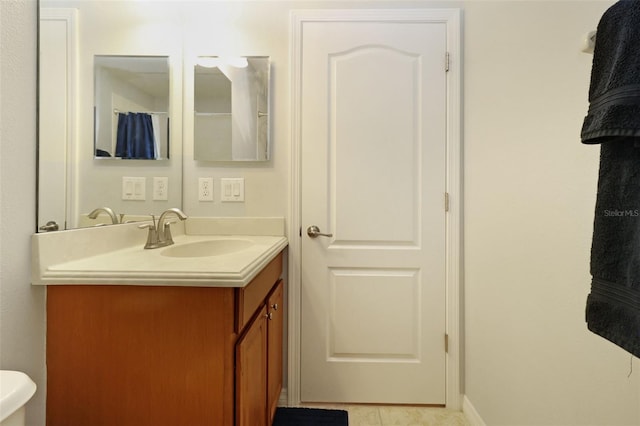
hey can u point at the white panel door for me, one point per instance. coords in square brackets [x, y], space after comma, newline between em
[373, 128]
[57, 56]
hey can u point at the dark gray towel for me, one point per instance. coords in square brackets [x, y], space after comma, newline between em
[613, 306]
[614, 94]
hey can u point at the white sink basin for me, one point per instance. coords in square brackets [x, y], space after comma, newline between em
[207, 248]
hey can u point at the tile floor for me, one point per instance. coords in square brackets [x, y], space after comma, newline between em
[377, 415]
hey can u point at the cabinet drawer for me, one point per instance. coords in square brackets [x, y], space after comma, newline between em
[253, 295]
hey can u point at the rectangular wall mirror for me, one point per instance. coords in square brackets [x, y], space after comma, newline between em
[98, 59]
[131, 95]
[231, 108]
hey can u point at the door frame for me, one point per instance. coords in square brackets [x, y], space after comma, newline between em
[453, 232]
[70, 17]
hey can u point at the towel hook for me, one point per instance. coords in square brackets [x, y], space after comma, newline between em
[589, 42]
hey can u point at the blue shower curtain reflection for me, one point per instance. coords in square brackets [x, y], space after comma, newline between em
[135, 137]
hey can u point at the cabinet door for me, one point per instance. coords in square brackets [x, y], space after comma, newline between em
[251, 373]
[275, 330]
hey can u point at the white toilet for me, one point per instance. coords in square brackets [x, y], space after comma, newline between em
[16, 388]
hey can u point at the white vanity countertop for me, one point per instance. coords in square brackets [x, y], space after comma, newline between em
[114, 255]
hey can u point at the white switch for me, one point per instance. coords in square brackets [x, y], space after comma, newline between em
[134, 188]
[232, 189]
[128, 188]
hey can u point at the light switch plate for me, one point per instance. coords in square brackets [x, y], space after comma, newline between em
[134, 188]
[232, 190]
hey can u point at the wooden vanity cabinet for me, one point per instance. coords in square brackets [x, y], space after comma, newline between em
[259, 364]
[251, 373]
[275, 342]
[164, 355]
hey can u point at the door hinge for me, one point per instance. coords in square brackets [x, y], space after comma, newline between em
[300, 231]
[446, 201]
[446, 343]
[447, 61]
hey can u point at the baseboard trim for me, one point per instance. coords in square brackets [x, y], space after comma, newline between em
[283, 401]
[470, 412]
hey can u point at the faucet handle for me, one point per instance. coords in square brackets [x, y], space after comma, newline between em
[151, 226]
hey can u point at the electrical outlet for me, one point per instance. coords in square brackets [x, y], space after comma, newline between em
[205, 189]
[161, 188]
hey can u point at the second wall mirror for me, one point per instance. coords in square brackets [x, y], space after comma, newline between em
[231, 108]
[131, 107]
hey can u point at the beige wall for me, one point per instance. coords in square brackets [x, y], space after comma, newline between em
[22, 308]
[529, 196]
[529, 202]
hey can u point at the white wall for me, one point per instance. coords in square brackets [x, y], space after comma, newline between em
[22, 307]
[529, 196]
[529, 203]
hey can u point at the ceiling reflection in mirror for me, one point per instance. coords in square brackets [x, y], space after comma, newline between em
[231, 109]
[131, 96]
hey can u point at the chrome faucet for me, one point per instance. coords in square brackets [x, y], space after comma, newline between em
[164, 228]
[94, 214]
[160, 234]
